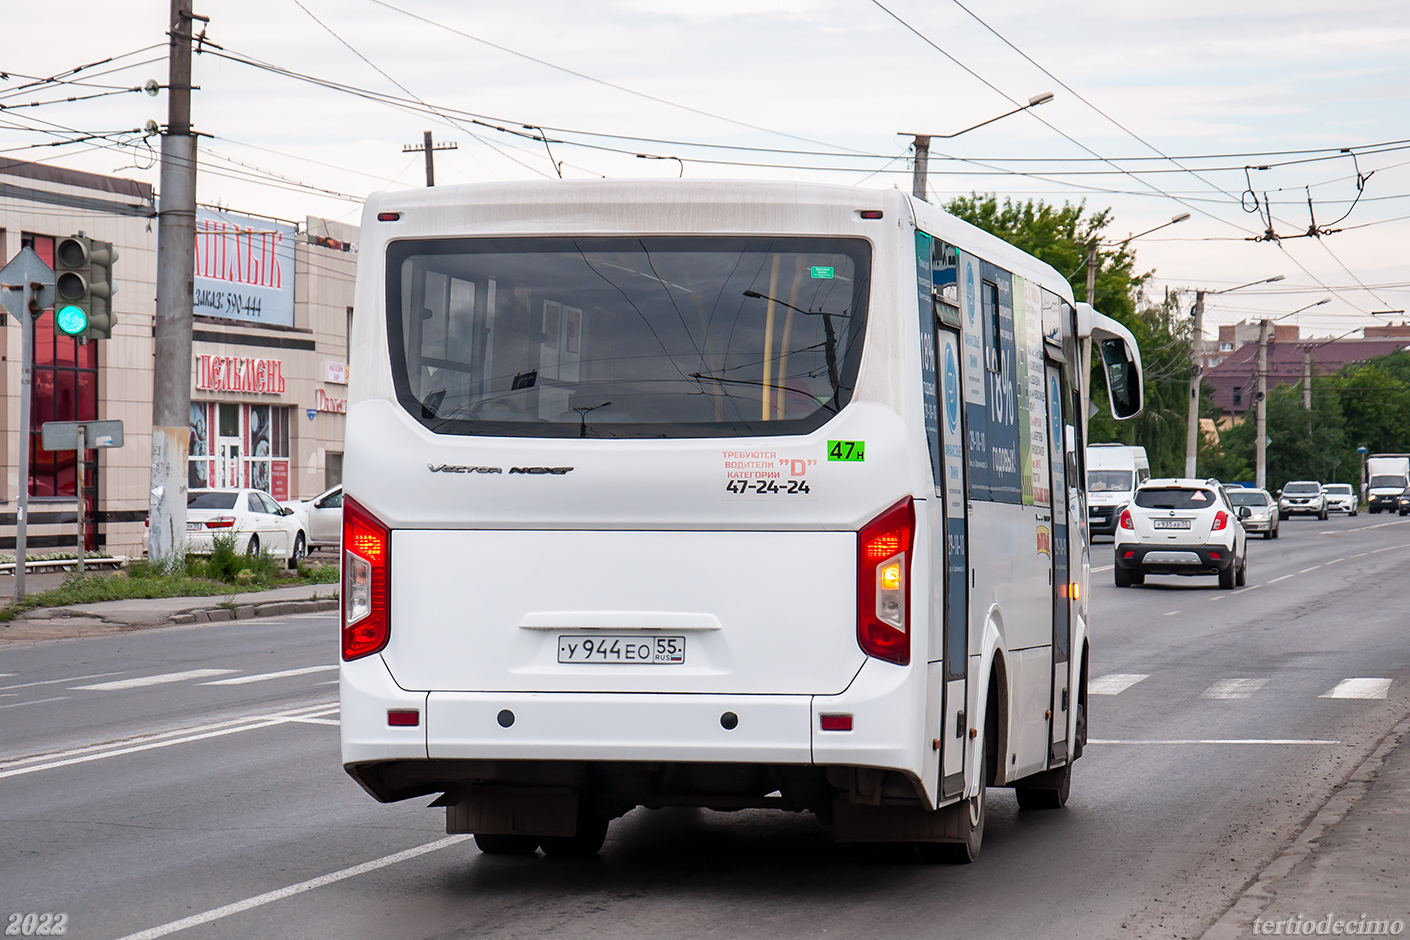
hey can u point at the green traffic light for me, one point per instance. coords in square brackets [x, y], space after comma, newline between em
[71, 320]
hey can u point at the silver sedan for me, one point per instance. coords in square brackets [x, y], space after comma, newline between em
[1263, 510]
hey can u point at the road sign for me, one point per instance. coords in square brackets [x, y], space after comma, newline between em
[26, 268]
[63, 435]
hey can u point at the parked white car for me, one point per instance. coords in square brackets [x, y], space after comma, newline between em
[1340, 498]
[1181, 526]
[258, 523]
[321, 517]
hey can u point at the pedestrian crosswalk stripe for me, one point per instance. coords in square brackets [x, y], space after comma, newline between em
[1234, 688]
[1359, 688]
[1114, 684]
[285, 674]
[142, 681]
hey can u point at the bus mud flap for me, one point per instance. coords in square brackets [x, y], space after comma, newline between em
[852, 822]
[514, 812]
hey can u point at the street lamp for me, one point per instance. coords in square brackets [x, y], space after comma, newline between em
[922, 142]
[1197, 369]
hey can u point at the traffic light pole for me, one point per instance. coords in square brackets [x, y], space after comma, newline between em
[22, 468]
[176, 246]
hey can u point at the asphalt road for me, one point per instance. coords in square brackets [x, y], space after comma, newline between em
[203, 807]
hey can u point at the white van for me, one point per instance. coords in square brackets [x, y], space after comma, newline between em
[662, 493]
[1113, 473]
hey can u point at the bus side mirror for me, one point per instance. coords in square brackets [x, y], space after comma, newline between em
[1121, 362]
[1123, 378]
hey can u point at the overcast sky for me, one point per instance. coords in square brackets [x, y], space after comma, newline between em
[1183, 81]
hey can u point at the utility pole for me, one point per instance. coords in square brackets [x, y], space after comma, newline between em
[1307, 379]
[922, 167]
[176, 249]
[1196, 372]
[430, 148]
[1260, 472]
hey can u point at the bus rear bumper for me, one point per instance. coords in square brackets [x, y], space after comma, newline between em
[595, 726]
[523, 730]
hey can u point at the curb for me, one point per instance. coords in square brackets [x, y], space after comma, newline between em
[1257, 896]
[251, 611]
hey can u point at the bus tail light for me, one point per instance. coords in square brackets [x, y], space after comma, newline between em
[367, 565]
[883, 589]
[1126, 522]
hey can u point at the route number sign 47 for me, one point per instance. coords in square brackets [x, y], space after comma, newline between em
[847, 450]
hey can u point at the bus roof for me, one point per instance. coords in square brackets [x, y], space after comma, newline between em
[611, 207]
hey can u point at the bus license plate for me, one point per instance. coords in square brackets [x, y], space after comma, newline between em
[1170, 523]
[628, 650]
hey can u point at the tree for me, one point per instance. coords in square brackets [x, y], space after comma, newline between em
[1060, 236]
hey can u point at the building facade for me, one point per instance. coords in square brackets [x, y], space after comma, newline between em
[273, 311]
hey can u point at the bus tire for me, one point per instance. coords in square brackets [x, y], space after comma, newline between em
[1046, 790]
[967, 816]
[504, 844]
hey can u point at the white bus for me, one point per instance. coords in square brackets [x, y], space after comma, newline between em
[719, 494]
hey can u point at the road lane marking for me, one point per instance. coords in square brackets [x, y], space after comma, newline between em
[1382, 525]
[1114, 684]
[1388, 548]
[1334, 561]
[144, 681]
[96, 675]
[1218, 741]
[316, 721]
[1170, 613]
[1234, 688]
[38, 701]
[1283, 578]
[1217, 597]
[1102, 568]
[242, 680]
[1305, 570]
[260, 900]
[1359, 688]
[242, 724]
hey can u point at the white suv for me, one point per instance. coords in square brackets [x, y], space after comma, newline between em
[1178, 526]
[1302, 496]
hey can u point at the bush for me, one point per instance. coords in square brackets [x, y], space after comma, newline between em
[319, 573]
[228, 564]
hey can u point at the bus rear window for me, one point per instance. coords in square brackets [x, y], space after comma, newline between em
[1175, 498]
[648, 337]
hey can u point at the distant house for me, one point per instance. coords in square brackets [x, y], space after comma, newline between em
[1234, 380]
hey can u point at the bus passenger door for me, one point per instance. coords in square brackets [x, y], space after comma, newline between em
[955, 724]
[1062, 567]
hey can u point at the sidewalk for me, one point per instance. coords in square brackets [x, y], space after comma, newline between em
[46, 623]
[1351, 864]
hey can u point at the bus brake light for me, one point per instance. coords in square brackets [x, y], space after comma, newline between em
[883, 569]
[367, 614]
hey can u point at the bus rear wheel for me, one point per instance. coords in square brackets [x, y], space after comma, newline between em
[592, 832]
